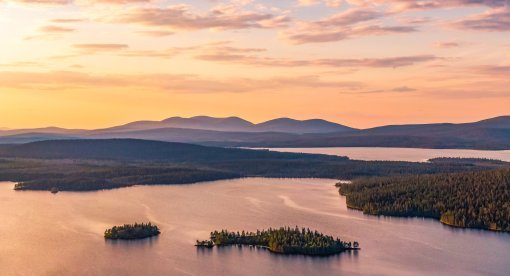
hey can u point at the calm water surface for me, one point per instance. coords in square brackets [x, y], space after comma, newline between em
[402, 154]
[62, 234]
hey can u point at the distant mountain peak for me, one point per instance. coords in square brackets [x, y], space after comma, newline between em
[501, 121]
[236, 124]
[208, 123]
[206, 118]
[302, 126]
[493, 133]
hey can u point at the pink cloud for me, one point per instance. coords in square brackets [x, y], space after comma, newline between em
[64, 80]
[182, 17]
[494, 20]
[100, 47]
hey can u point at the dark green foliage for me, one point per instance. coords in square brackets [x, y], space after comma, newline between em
[471, 199]
[132, 149]
[132, 231]
[475, 161]
[87, 176]
[285, 240]
[106, 164]
[206, 243]
[340, 169]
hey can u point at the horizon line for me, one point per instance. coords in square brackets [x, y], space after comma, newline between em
[255, 123]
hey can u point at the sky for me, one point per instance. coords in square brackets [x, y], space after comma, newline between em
[363, 63]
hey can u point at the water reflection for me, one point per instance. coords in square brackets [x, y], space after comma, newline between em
[201, 251]
[237, 249]
[74, 242]
[148, 242]
[401, 154]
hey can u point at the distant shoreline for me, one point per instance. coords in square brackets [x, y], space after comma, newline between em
[354, 208]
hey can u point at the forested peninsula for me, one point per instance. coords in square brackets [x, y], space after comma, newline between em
[478, 199]
[86, 165]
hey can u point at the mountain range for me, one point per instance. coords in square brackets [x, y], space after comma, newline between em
[235, 124]
[491, 133]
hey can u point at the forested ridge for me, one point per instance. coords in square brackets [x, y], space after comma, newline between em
[470, 199]
[143, 150]
[77, 165]
[88, 175]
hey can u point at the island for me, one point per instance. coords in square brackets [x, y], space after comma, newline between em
[132, 231]
[283, 240]
[478, 199]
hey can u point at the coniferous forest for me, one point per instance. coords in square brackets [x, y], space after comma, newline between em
[470, 199]
[132, 231]
[284, 240]
[78, 165]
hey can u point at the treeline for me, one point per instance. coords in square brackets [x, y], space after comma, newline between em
[475, 161]
[115, 176]
[83, 165]
[143, 150]
[86, 175]
[470, 199]
[132, 231]
[284, 240]
[344, 169]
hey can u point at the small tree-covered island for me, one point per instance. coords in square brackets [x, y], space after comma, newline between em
[284, 240]
[132, 231]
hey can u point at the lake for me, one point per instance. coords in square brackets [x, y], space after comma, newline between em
[402, 154]
[62, 234]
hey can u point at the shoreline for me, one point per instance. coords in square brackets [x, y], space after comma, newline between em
[434, 219]
[278, 252]
[171, 184]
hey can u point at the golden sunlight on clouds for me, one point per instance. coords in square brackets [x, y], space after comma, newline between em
[362, 63]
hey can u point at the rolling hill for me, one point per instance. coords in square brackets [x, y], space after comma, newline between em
[131, 149]
[198, 122]
[84, 165]
[300, 127]
[489, 134]
[233, 124]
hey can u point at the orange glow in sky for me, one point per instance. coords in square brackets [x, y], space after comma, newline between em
[363, 63]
